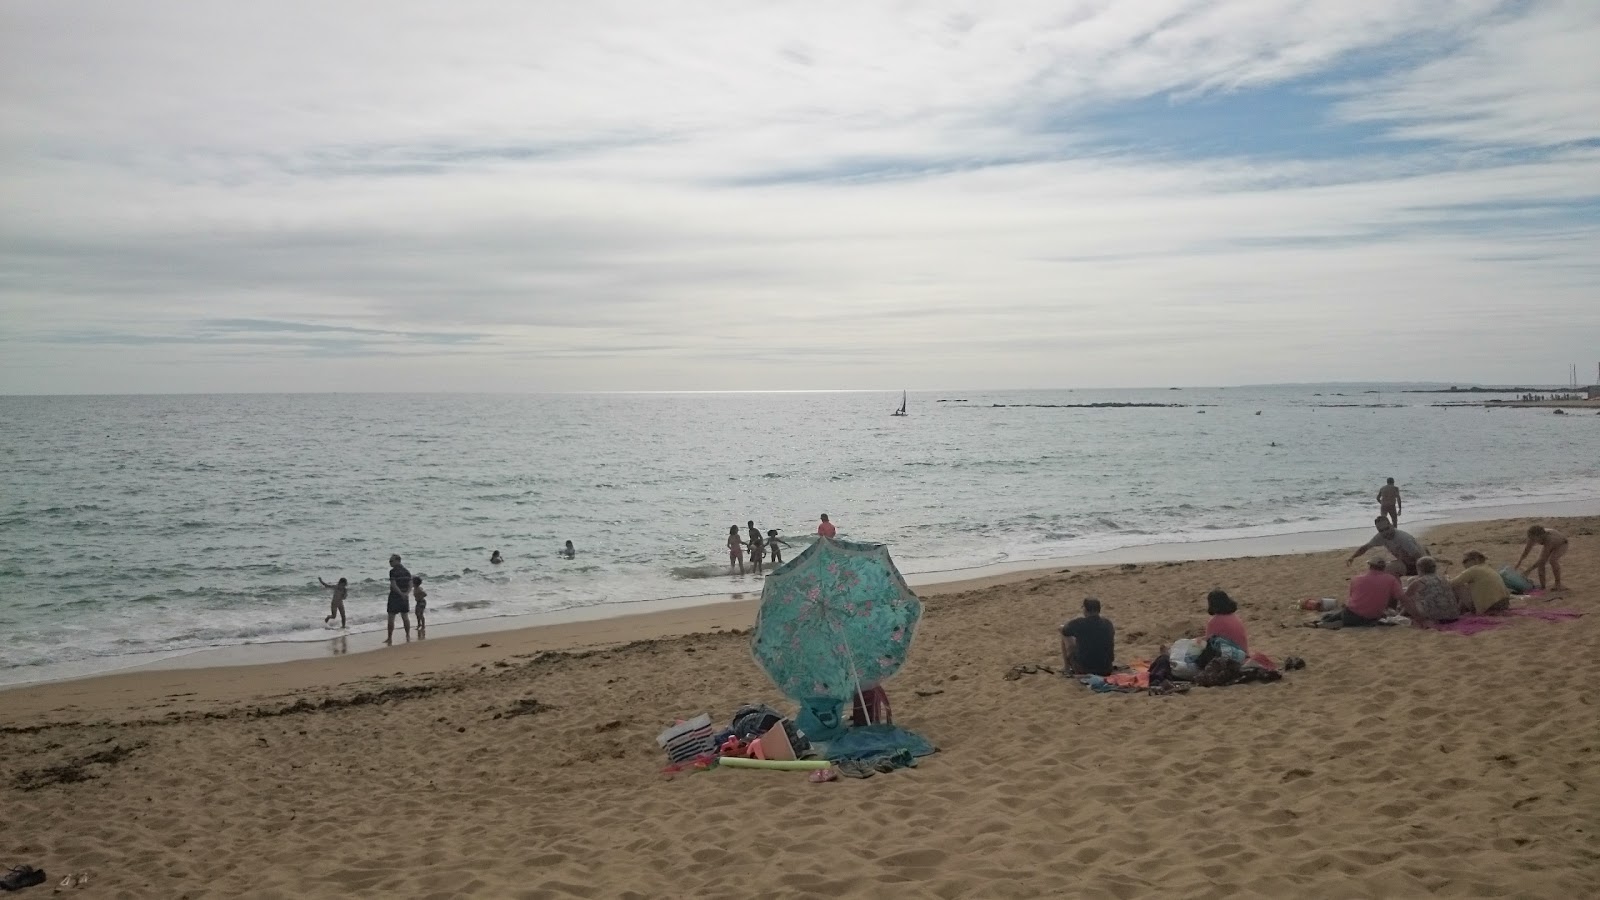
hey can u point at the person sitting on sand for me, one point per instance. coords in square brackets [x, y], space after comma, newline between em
[568, 551]
[1479, 588]
[735, 550]
[825, 528]
[1554, 545]
[399, 590]
[420, 597]
[772, 543]
[340, 591]
[1371, 594]
[495, 558]
[1224, 621]
[1429, 597]
[1088, 643]
[1402, 545]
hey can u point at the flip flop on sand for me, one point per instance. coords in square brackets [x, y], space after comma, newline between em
[820, 776]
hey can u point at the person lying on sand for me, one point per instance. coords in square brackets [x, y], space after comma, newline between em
[1479, 589]
[1405, 548]
[1088, 643]
[1429, 597]
[1371, 594]
[340, 591]
[1554, 545]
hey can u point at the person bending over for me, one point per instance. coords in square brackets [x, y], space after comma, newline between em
[1401, 544]
[1553, 546]
[1088, 643]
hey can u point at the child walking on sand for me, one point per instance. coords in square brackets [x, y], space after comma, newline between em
[735, 550]
[421, 597]
[340, 590]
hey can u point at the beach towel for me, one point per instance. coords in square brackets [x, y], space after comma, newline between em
[872, 741]
[1470, 625]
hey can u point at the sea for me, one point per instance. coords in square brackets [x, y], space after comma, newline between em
[135, 528]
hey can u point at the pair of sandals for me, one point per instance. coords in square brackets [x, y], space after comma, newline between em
[21, 877]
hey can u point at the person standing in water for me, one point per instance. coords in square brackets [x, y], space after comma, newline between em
[735, 550]
[1389, 502]
[420, 598]
[1554, 545]
[340, 591]
[758, 550]
[399, 593]
[772, 542]
[825, 528]
[569, 551]
[495, 558]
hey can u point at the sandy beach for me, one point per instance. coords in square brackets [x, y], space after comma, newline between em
[1399, 763]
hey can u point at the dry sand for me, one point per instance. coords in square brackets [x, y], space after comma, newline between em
[1400, 763]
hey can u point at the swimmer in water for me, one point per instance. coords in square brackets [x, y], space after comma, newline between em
[495, 558]
[569, 551]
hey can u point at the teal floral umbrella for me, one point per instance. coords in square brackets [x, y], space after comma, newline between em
[837, 618]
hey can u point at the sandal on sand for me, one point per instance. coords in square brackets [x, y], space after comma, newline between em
[820, 776]
[20, 877]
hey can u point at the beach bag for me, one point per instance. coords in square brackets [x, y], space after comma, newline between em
[1218, 647]
[687, 741]
[1185, 656]
[1514, 581]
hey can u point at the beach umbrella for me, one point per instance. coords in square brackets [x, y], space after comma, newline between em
[834, 620]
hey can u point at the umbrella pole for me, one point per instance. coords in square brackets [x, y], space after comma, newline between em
[856, 677]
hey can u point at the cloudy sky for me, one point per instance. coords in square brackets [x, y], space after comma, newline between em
[547, 196]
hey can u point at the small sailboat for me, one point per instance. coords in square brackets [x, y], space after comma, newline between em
[902, 410]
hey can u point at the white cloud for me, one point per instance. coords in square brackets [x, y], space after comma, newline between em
[643, 195]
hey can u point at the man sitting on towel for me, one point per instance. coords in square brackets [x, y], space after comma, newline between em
[1371, 594]
[1088, 643]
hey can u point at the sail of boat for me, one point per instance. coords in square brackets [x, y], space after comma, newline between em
[902, 410]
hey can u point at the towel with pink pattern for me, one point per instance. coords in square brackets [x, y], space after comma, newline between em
[1476, 624]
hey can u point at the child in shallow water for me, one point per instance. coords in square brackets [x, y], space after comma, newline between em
[340, 591]
[772, 542]
[420, 596]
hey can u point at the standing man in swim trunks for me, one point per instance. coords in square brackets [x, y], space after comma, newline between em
[1389, 502]
[1555, 547]
[399, 597]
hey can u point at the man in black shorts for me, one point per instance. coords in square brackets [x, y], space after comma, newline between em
[1088, 643]
[399, 597]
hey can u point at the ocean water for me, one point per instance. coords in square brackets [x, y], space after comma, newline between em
[142, 525]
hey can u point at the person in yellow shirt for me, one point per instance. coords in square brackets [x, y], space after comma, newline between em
[1479, 588]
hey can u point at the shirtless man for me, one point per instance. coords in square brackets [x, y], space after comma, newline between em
[1554, 545]
[1389, 502]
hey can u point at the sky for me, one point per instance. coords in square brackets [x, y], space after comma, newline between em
[543, 196]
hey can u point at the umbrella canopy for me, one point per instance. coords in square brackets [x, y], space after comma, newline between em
[836, 617]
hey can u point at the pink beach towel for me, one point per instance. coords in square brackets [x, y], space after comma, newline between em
[1476, 624]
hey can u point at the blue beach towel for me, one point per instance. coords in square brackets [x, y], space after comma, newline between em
[873, 741]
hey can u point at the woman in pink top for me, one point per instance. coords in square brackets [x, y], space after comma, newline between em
[1224, 621]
